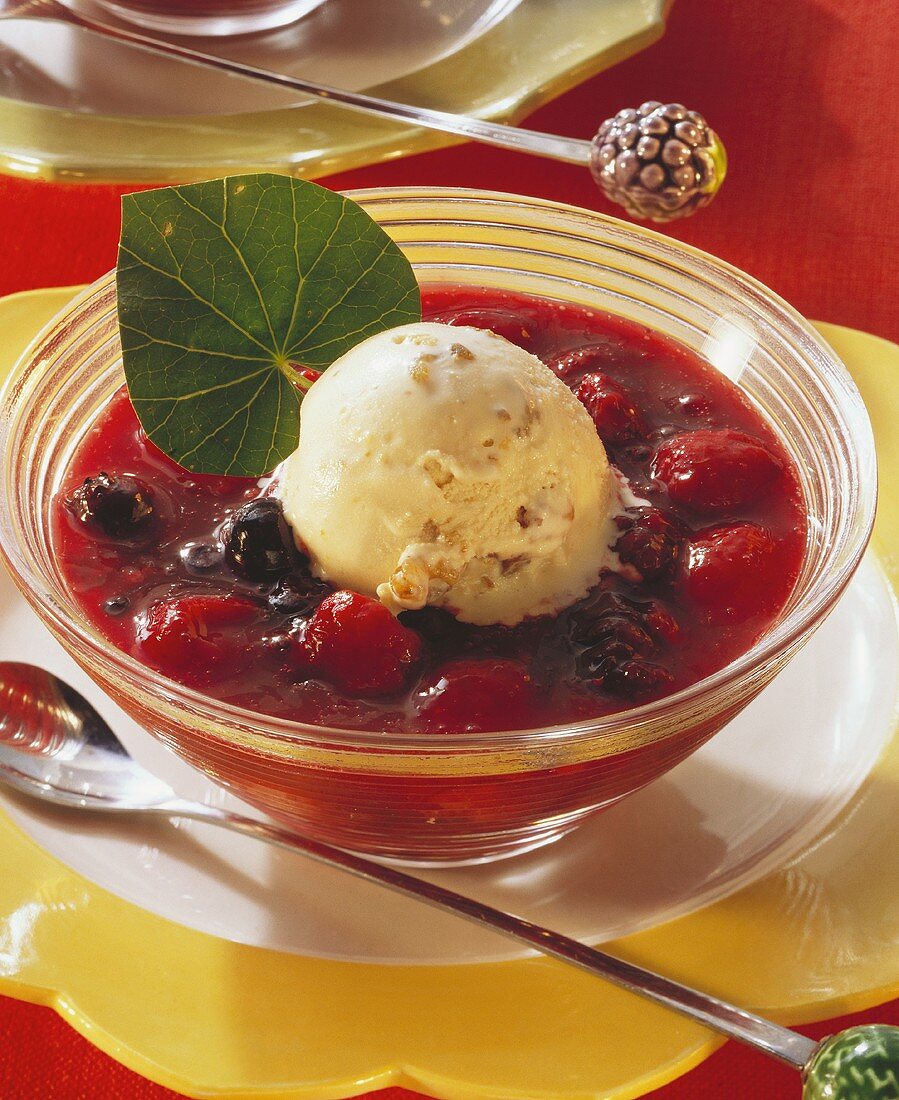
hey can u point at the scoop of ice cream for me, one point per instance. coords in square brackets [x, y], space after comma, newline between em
[445, 465]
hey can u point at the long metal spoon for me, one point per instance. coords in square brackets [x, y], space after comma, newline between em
[617, 172]
[55, 746]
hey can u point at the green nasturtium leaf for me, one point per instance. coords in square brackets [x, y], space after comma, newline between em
[226, 289]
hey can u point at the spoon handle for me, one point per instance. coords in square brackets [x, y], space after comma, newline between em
[570, 150]
[779, 1042]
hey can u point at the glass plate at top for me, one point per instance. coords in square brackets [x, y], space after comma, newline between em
[74, 106]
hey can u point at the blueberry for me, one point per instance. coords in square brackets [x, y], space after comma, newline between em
[297, 595]
[120, 507]
[258, 542]
[116, 605]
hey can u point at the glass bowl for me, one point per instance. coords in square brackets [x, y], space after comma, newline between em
[463, 798]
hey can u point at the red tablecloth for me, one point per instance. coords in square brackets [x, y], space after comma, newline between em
[805, 96]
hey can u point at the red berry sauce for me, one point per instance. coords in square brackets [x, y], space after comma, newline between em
[189, 575]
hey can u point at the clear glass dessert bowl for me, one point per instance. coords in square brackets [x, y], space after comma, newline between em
[454, 798]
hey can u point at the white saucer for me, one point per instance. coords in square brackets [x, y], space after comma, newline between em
[750, 800]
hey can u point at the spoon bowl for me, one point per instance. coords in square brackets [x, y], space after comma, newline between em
[54, 745]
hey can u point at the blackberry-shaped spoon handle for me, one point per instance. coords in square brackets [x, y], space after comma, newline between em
[659, 161]
[861, 1063]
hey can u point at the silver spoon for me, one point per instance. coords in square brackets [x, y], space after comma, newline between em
[683, 166]
[55, 746]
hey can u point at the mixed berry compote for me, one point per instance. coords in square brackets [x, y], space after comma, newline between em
[199, 578]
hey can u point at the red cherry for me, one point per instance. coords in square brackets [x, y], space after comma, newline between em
[193, 637]
[714, 469]
[475, 696]
[734, 572]
[613, 412]
[355, 643]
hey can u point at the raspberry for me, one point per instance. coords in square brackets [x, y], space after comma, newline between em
[733, 572]
[476, 696]
[651, 544]
[711, 470]
[120, 507]
[193, 637]
[258, 542]
[613, 412]
[355, 643]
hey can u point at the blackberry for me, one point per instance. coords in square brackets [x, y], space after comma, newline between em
[120, 507]
[599, 661]
[617, 635]
[635, 678]
[651, 544]
[627, 630]
[589, 616]
[258, 542]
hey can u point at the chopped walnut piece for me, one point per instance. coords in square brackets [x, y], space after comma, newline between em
[419, 371]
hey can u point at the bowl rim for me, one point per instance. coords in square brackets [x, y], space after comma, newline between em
[809, 610]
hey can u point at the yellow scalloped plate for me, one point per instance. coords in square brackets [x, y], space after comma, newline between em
[210, 1018]
[535, 52]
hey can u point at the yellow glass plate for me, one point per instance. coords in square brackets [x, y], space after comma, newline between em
[535, 52]
[210, 1018]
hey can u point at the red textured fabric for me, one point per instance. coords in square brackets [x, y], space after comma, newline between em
[804, 95]
[41, 1058]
